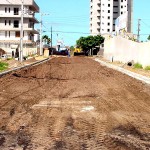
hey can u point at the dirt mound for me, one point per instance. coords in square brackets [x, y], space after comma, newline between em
[73, 103]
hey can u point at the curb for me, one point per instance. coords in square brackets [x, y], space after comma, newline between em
[127, 72]
[25, 66]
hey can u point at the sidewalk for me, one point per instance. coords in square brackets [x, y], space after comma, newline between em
[125, 71]
[25, 64]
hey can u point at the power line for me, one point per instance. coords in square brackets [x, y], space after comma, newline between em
[71, 32]
[145, 24]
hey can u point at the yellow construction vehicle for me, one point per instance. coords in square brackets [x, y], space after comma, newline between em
[78, 51]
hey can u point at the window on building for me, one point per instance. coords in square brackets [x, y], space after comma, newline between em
[9, 10]
[16, 11]
[9, 22]
[5, 22]
[108, 30]
[16, 24]
[5, 9]
[5, 33]
[17, 34]
[108, 11]
[9, 33]
[108, 5]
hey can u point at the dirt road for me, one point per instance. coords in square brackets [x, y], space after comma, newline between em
[73, 104]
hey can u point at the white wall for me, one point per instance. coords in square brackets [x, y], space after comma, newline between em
[124, 50]
[12, 36]
[26, 51]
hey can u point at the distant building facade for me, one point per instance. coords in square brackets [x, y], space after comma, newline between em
[10, 21]
[103, 14]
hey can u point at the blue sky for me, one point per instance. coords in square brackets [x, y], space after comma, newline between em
[70, 18]
[141, 11]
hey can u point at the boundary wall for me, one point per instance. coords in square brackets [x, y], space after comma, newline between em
[124, 50]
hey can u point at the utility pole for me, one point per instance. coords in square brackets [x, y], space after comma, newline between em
[41, 49]
[139, 29]
[51, 40]
[21, 32]
[51, 37]
[41, 31]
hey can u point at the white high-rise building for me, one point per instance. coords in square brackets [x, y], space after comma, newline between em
[103, 14]
[10, 21]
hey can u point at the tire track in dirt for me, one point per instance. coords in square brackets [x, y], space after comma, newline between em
[74, 103]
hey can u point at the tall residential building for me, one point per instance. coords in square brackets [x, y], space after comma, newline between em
[103, 14]
[10, 21]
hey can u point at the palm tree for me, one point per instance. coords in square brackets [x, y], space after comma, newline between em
[46, 39]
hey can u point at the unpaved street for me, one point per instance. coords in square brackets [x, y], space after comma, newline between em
[73, 104]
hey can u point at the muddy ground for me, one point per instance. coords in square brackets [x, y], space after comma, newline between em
[73, 104]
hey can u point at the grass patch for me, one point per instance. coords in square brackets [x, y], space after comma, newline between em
[3, 66]
[10, 58]
[138, 66]
[147, 68]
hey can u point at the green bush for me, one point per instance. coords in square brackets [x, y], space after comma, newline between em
[3, 66]
[147, 68]
[138, 66]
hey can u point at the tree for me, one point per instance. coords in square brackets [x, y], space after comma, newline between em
[89, 42]
[148, 37]
[46, 39]
[72, 48]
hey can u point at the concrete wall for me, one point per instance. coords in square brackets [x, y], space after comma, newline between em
[26, 51]
[123, 50]
[29, 51]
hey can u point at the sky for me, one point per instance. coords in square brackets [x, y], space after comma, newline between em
[70, 19]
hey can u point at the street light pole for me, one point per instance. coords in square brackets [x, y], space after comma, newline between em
[21, 32]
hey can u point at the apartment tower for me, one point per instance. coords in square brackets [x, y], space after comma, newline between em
[10, 21]
[103, 14]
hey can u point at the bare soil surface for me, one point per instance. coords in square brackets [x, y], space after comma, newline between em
[73, 104]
